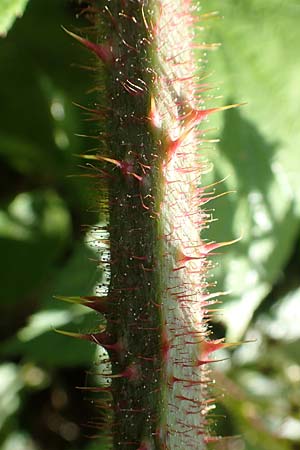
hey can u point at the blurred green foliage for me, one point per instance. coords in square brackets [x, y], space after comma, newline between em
[258, 152]
[10, 9]
[44, 214]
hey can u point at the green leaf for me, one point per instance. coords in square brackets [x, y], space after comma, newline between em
[257, 63]
[19, 440]
[34, 230]
[10, 385]
[284, 322]
[9, 11]
[24, 156]
[37, 340]
[53, 350]
[262, 212]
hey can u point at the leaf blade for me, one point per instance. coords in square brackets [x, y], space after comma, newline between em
[9, 11]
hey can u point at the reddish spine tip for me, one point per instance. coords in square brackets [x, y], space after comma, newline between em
[102, 51]
[99, 304]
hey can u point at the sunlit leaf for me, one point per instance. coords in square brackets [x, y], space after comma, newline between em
[10, 385]
[19, 441]
[258, 63]
[9, 11]
[283, 324]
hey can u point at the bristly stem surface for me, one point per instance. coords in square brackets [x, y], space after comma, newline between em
[156, 298]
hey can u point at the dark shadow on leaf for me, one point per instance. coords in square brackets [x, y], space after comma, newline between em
[248, 151]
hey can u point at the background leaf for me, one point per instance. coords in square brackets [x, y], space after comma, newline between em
[258, 63]
[9, 11]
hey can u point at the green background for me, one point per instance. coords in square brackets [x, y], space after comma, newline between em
[45, 211]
